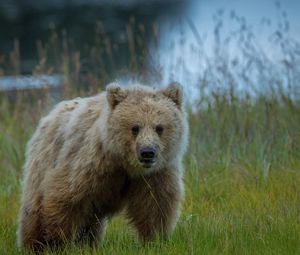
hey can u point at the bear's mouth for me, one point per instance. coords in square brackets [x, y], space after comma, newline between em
[147, 163]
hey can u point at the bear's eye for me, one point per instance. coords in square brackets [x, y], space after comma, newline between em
[135, 130]
[159, 129]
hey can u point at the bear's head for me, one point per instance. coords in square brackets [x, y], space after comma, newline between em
[146, 128]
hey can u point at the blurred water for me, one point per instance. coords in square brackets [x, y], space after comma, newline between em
[189, 50]
[8, 83]
[193, 45]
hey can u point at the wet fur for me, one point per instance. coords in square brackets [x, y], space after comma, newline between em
[81, 167]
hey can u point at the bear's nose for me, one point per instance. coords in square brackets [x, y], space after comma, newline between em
[148, 153]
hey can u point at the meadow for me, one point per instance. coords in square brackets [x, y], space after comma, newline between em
[242, 176]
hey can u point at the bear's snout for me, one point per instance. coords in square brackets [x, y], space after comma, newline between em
[147, 156]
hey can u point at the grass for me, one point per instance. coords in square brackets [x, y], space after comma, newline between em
[242, 182]
[242, 175]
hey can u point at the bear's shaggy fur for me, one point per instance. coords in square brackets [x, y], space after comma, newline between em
[83, 166]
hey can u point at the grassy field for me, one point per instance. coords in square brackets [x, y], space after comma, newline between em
[242, 181]
[242, 176]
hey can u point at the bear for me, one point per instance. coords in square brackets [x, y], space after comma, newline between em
[91, 158]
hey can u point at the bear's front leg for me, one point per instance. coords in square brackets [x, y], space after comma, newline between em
[92, 235]
[154, 203]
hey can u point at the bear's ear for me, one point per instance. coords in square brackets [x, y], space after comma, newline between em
[174, 92]
[115, 94]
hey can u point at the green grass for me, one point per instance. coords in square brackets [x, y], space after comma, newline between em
[242, 181]
[242, 176]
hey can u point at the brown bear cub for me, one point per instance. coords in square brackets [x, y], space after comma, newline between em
[91, 158]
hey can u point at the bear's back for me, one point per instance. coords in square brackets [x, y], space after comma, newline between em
[61, 131]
